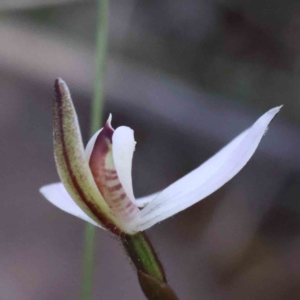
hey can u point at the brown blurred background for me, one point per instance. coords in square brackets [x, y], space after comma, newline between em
[187, 76]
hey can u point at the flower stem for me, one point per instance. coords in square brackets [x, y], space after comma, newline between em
[143, 255]
[101, 49]
[96, 120]
[149, 269]
[88, 262]
[150, 272]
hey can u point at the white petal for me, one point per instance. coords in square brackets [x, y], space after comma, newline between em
[207, 178]
[143, 201]
[57, 195]
[123, 146]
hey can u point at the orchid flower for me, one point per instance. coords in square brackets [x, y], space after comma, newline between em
[96, 183]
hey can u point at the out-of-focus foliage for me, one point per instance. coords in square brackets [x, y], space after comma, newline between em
[33, 4]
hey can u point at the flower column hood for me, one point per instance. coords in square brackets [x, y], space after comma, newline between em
[96, 183]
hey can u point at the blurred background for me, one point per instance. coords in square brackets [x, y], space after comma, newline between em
[187, 76]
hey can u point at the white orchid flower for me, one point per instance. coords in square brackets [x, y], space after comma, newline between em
[97, 185]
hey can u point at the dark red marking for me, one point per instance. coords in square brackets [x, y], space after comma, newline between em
[131, 209]
[110, 178]
[129, 204]
[99, 215]
[109, 171]
[114, 188]
[122, 196]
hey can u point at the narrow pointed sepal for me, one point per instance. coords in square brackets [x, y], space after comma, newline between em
[71, 163]
[154, 289]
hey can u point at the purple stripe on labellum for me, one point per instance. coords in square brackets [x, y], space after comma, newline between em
[111, 178]
[122, 196]
[114, 188]
[128, 205]
[131, 210]
[107, 171]
[59, 139]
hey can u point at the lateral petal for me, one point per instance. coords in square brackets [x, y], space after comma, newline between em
[71, 163]
[143, 201]
[56, 194]
[207, 178]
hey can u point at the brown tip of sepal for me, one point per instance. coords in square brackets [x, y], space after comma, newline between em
[154, 289]
[61, 89]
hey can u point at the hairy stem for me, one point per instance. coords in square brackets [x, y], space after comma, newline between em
[150, 272]
[143, 255]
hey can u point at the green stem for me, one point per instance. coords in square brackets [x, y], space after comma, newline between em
[96, 121]
[88, 262]
[143, 255]
[150, 272]
[101, 40]
[149, 269]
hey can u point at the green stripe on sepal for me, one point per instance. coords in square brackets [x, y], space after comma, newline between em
[72, 167]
